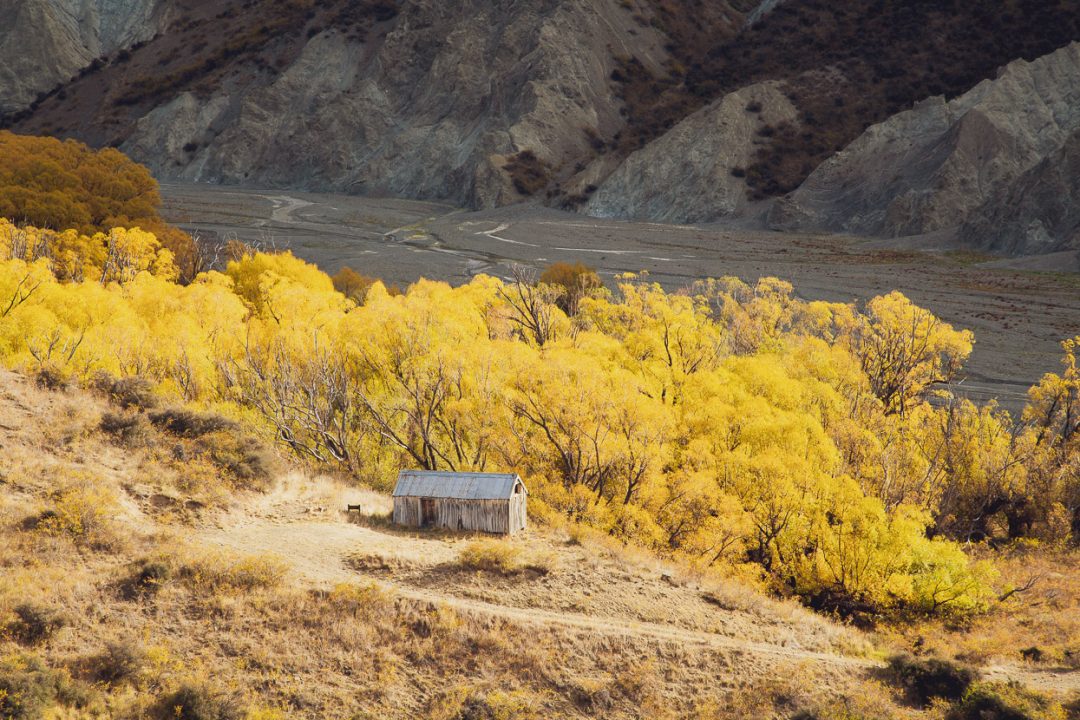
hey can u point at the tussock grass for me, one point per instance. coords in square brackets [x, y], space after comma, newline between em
[34, 623]
[82, 511]
[501, 557]
[495, 556]
[222, 573]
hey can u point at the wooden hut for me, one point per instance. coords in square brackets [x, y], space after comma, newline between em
[488, 502]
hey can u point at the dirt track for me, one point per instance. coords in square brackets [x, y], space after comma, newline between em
[301, 524]
[1019, 317]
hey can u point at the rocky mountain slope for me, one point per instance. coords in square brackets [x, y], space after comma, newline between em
[935, 166]
[368, 97]
[369, 116]
[686, 175]
[632, 108]
[1037, 213]
[46, 42]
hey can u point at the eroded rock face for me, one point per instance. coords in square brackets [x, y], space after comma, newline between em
[45, 42]
[763, 8]
[933, 167]
[1038, 213]
[435, 109]
[692, 172]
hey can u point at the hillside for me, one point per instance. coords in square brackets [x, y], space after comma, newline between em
[1037, 213]
[244, 599]
[367, 97]
[942, 164]
[159, 585]
[46, 43]
[564, 101]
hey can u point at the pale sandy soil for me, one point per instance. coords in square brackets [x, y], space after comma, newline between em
[589, 590]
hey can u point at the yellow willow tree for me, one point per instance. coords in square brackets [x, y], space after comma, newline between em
[1052, 444]
[118, 255]
[664, 338]
[428, 374]
[288, 361]
[754, 317]
[904, 349]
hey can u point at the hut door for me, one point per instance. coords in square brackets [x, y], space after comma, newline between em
[427, 511]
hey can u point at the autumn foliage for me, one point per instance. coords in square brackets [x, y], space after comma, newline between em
[67, 186]
[812, 445]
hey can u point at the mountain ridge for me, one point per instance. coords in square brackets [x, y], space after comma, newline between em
[595, 107]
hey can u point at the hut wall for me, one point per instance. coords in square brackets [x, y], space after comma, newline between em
[517, 512]
[484, 515]
[493, 516]
[407, 511]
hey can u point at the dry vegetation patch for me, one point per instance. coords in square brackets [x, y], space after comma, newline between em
[157, 626]
[1037, 623]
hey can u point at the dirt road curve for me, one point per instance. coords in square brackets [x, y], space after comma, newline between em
[317, 549]
[316, 552]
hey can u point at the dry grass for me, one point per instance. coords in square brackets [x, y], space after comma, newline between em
[152, 624]
[1039, 625]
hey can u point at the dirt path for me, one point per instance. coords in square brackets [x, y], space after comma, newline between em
[301, 525]
[316, 551]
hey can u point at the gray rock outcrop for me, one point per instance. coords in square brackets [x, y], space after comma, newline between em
[1038, 213]
[935, 166]
[435, 109]
[46, 42]
[763, 8]
[686, 175]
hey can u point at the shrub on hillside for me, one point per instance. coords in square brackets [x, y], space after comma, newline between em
[133, 391]
[146, 579]
[926, 679]
[998, 701]
[83, 512]
[28, 687]
[130, 429]
[493, 556]
[118, 661]
[246, 460]
[473, 703]
[188, 423]
[50, 378]
[249, 462]
[197, 701]
[34, 623]
[215, 573]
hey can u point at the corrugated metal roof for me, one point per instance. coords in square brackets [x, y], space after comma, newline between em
[460, 485]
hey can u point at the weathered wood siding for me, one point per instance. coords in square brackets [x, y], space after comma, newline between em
[517, 512]
[493, 516]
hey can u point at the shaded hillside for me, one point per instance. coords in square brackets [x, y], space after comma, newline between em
[932, 167]
[363, 97]
[206, 46]
[486, 104]
[1039, 213]
[846, 65]
[852, 63]
[47, 42]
